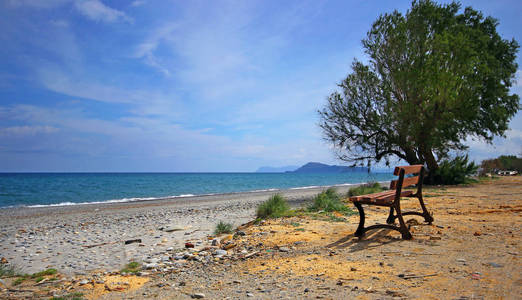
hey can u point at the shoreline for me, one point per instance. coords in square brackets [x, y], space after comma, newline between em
[43, 237]
[188, 199]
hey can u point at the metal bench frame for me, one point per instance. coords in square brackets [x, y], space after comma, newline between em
[395, 194]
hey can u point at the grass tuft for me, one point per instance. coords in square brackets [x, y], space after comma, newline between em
[223, 227]
[329, 201]
[132, 267]
[275, 207]
[368, 188]
[8, 270]
[44, 273]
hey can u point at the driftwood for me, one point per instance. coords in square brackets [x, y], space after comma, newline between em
[412, 276]
[112, 243]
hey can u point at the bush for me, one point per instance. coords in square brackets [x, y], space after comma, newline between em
[363, 189]
[329, 201]
[455, 171]
[44, 273]
[132, 268]
[275, 207]
[223, 227]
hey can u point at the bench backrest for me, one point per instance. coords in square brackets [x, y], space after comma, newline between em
[407, 181]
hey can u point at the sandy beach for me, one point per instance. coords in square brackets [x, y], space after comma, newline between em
[37, 238]
[471, 251]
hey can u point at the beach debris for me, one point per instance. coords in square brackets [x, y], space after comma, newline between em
[100, 244]
[221, 252]
[412, 276]
[3, 260]
[189, 245]
[127, 242]
[477, 233]
[83, 282]
[475, 276]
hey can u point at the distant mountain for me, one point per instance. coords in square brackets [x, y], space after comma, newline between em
[315, 167]
[276, 169]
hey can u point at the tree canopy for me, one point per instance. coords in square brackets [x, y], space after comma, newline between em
[434, 76]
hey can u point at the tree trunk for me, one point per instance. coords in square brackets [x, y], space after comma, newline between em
[432, 165]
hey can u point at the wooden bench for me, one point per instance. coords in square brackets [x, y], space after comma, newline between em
[392, 199]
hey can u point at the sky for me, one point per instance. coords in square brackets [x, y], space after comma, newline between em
[186, 86]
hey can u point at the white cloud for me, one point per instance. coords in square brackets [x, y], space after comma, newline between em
[16, 131]
[137, 3]
[97, 11]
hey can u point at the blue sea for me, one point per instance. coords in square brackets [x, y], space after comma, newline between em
[55, 189]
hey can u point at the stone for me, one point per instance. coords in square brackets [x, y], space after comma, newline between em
[284, 249]
[189, 245]
[198, 295]
[151, 266]
[495, 265]
[240, 233]
[215, 242]
[83, 282]
[250, 295]
[221, 252]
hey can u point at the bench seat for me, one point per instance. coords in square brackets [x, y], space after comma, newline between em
[380, 199]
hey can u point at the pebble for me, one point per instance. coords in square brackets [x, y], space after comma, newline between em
[151, 266]
[84, 282]
[284, 249]
[250, 295]
[221, 252]
[198, 295]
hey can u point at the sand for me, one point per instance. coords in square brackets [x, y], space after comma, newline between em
[471, 251]
[37, 238]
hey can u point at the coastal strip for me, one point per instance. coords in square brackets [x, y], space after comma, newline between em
[35, 238]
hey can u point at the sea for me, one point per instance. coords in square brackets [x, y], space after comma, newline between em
[60, 189]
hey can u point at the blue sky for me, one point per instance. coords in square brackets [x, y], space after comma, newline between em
[98, 85]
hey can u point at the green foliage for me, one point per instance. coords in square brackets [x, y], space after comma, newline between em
[44, 273]
[8, 270]
[368, 188]
[455, 171]
[275, 207]
[18, 281]
[329, 201]
[39, 278]
[223, 227]
[132, 268]
[504, 162]
[434, 77]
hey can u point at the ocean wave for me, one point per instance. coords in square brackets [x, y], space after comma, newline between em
[123, 200]
[306, 187]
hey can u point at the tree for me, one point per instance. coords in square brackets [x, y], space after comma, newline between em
[434, 77]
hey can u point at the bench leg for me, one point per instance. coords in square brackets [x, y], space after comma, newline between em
[427, 217]
[403, 229]
[360, 230]
[391, 217]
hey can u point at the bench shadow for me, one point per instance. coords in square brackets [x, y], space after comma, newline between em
[373, 239]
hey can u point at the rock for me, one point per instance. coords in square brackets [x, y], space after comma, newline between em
[215, 242]
[227, 238]
[151, 266]
[172, 228]
[495, 265]
[240, 233]
[198, 295]
[250, 295]
[477, 233]
[3, 260]
[229, 246]
[306, 290]
[353, 269]
[462, 260]
[435, 238]
[83, 282]
[221, 252]
[152, 260]
[284, 249]
[143, 273]
[170, 248]
[189, 245]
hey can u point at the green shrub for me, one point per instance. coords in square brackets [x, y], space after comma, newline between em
[329, 201]
[223, 227]
[368, 188]
[7, 270]
[44, 273]
[275, 207]
[454, 171]
[132, 267]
